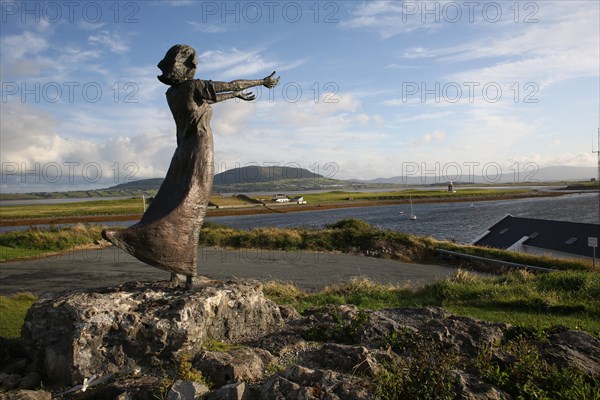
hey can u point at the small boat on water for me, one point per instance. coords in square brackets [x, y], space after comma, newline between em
[412, 213]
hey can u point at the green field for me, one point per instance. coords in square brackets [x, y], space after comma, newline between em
[566, 298]
[77, 194]
[84, 208]
[42, 242]
[344, 196]
[135, 205]
[230, 201]
[131, 206]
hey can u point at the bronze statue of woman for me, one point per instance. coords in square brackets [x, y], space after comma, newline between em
[167, 235]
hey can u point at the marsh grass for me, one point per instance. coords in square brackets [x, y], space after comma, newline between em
[342, 196]
[536, 300]
[353, 235]
[86, 208]
[36, 242]
[134, 205]
[347, 235]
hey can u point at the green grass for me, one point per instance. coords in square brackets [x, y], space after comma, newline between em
[351, 235]
[537, 300]
[85, 208]
[88, 208]
[535, 304]
[541, 301]
[36, 242]
[515, 257]
[230, 201]
[134, 205]
[343, 196]
[12, 313]
[78, 194]
[11, 253]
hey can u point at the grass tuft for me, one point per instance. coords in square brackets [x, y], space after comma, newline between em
[518, 298]
[36, 242]
[12, 313]
[356, 236]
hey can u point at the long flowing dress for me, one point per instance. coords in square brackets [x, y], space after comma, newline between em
[167, 235]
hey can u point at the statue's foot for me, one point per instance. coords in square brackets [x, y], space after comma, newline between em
[177, 279]
[196, 282]
[107, 235]
[191, 282]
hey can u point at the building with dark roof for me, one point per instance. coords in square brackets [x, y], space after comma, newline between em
[543, 237]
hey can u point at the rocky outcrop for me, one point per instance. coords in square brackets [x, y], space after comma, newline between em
[240, 364]
[300, 383]
[99, 332]
[23, 394]
[133, 338]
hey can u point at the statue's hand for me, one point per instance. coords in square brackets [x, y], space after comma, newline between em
[244, 96]
[270, 81]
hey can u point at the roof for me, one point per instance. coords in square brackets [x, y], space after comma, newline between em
[563, 236]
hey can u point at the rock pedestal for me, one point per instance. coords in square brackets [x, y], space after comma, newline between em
[103, 331]
[129, 336]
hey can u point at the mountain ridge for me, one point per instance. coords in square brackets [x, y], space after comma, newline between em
[545, 174]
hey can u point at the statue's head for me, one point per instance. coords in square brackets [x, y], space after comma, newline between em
[179, 65]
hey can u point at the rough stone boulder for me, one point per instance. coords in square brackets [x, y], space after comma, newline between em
[300, 383]
[131, 335]
[75, 335]
[240, 364]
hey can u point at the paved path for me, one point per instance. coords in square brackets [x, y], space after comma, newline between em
[111, 266]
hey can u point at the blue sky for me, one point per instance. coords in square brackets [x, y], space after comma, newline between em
[368, 89]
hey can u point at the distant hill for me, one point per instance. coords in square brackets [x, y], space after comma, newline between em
[251, 178]
[255, 174]
[546, 174]
[142, 184]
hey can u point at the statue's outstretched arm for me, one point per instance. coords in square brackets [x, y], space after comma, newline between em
[270, 82]
[248, 96]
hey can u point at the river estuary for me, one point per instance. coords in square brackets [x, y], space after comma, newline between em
[461, 221]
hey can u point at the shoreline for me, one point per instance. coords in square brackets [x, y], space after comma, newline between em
[234, 211]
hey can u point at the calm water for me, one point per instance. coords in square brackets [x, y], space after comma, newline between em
[462, 221]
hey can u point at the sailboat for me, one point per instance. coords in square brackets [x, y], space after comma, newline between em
[412, 213]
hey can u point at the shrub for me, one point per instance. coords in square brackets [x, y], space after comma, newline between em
[563, 282]
[428, 373]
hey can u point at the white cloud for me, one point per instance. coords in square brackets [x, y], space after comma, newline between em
[542, 52]
[554, 143]
[399, 66]
[436, 136]
[421, 117]
[21, 55]
[389, 18]
[90, 26]
[31, 137]
[212, 60]
[539, 160]
[362, 118]
[239, 64]
[110, 40]
[206, 27]
[233, 118]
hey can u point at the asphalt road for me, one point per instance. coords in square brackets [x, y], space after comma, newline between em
[112, 266]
